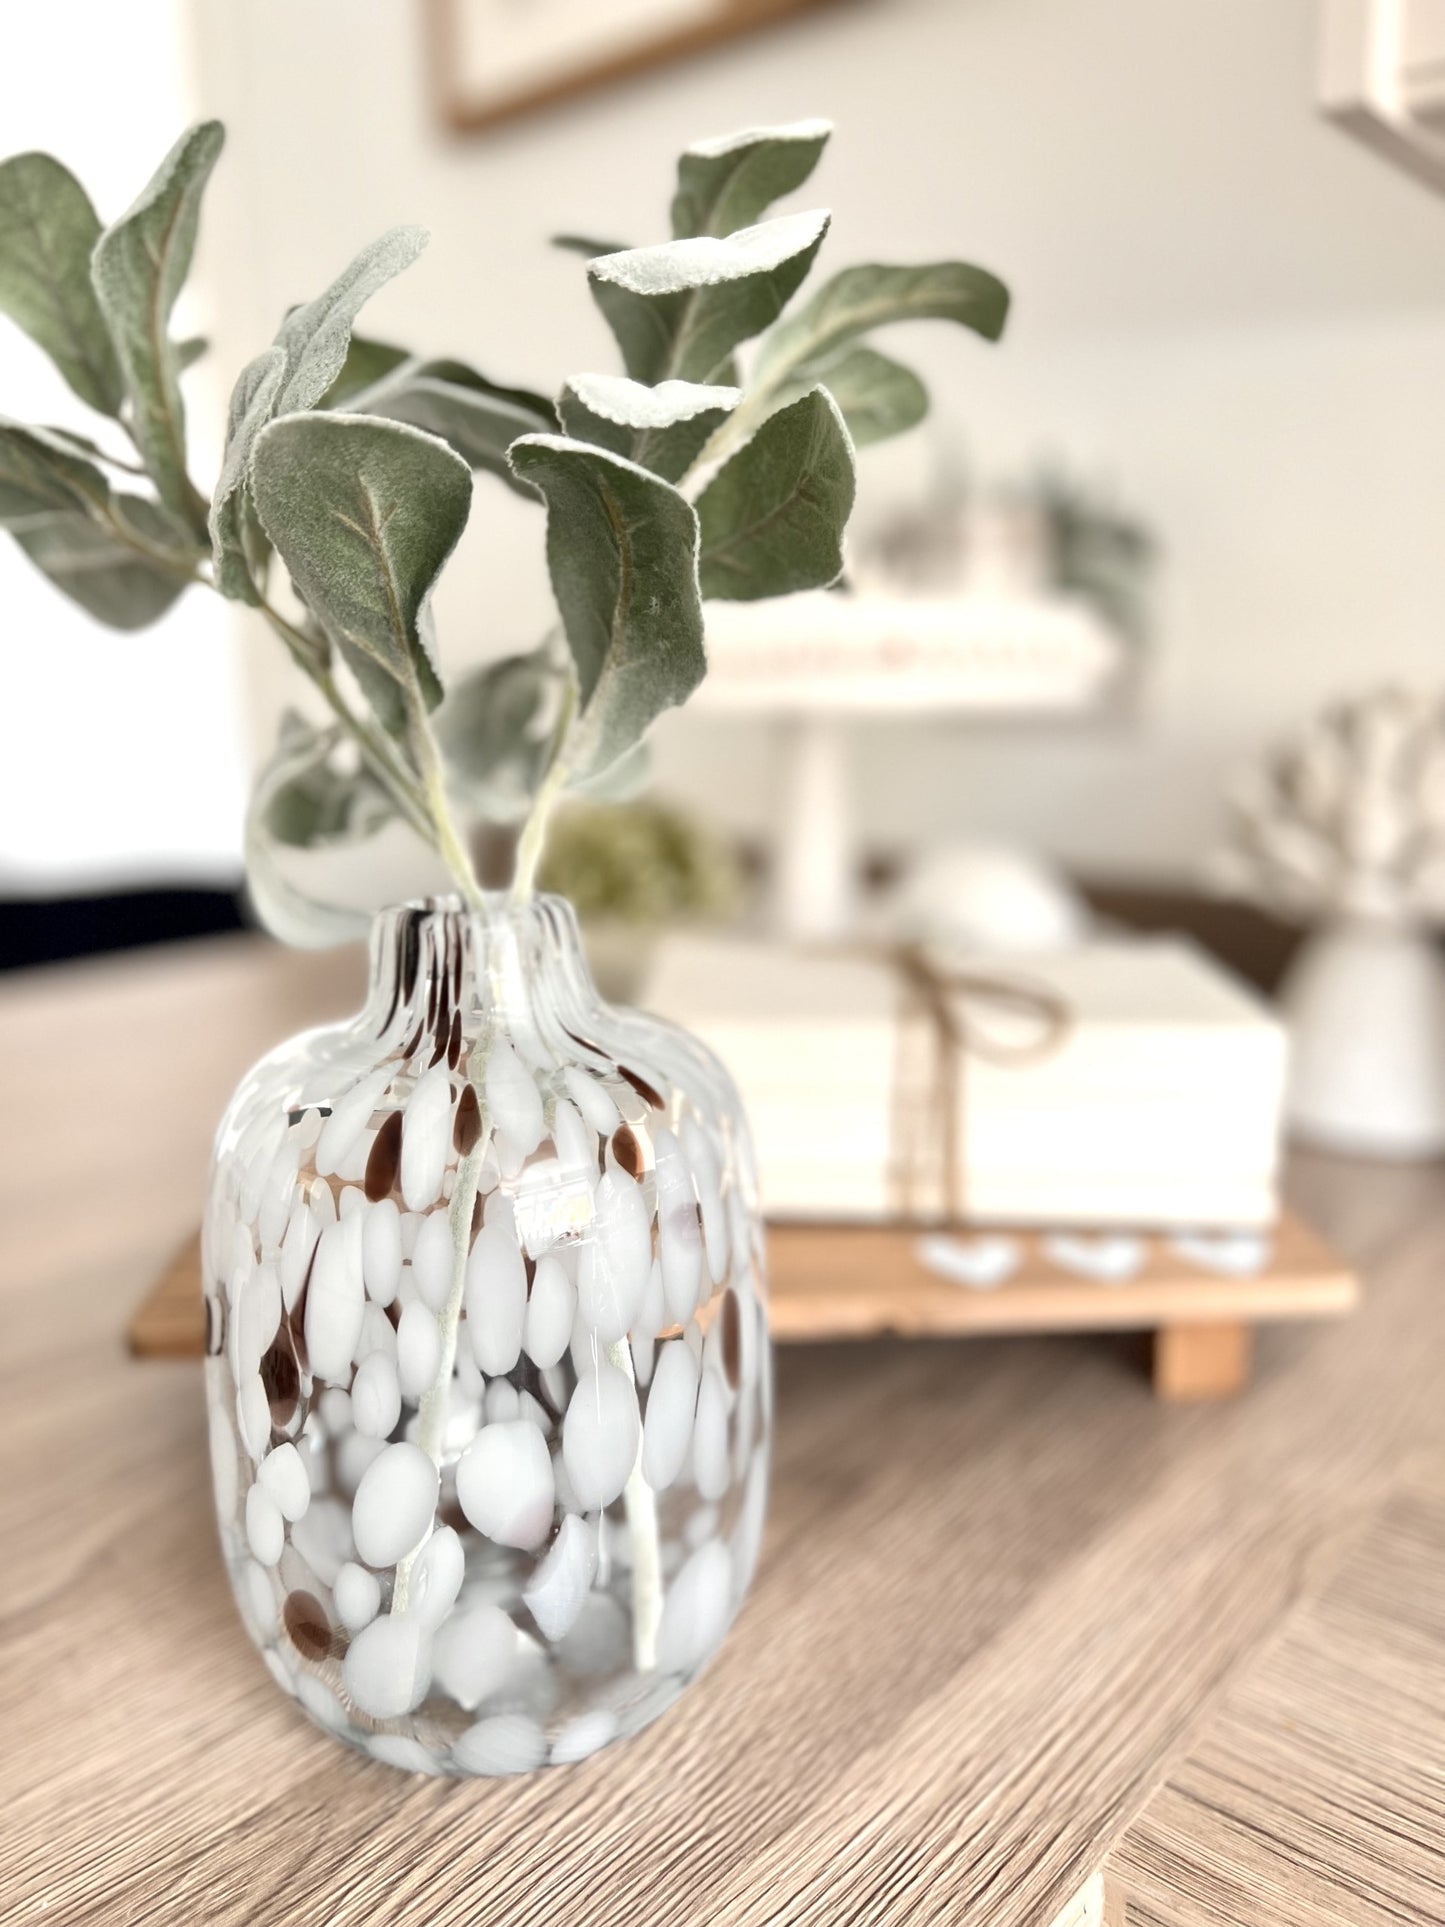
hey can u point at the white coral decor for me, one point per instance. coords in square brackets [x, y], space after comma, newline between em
[1346, 824]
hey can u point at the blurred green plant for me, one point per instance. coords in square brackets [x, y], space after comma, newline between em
[643, 864]
[346, 481]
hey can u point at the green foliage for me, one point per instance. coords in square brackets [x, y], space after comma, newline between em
[861, 299]
[679, 309]
[294, 791]
[663, 428]
[496, 731]
[364, 513]
[350, 461]
[122, 558]
[308, 356]
[621, 548]
[773, 517]
[138, 268]
[727, 184]
[641, 863]
[48, 230]
[878, 397]
[479, 419]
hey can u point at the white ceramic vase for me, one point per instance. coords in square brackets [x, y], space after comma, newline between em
[1365, 1005]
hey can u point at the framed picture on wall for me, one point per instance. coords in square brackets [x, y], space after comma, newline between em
[495, 59]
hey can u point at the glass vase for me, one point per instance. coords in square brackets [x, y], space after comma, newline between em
[487, 1357]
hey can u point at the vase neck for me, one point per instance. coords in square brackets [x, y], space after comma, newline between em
[443, 973]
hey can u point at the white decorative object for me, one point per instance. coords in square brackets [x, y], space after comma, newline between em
[1347, 823]
[822, 659]
[427, 1427]
[1155, 1098]
[986, 896]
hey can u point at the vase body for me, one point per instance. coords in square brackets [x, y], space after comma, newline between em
[488, 1372]
[1365, 1006]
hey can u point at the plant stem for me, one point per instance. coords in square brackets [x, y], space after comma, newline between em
[450, 847]
[379, 755]
[640, 1504]
[534, 831]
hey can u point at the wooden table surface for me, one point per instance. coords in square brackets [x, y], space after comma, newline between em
[1015, 1622]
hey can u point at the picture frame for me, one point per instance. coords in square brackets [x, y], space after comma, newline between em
[493, 61]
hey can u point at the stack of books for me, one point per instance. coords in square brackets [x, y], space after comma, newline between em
[1124, 1083]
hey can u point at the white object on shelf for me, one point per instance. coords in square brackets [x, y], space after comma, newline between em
[1159, 1105]
[865, 654]
[1365, 1004]
[986, 896]
[822, 658]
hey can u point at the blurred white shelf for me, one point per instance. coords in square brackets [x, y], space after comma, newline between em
[845, 654]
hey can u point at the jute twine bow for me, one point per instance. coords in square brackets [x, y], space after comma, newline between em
[954, 1005]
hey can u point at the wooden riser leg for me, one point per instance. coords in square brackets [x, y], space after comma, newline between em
[1195, 1362]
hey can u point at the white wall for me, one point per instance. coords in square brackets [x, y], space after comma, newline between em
[1223, 307]
[119, 758]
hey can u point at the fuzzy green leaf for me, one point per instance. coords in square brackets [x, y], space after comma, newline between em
[317, 336]
[364, 513]
[190, 351]
[773, 517]
[729, 183]
[478, 418]
[678, 310]
[285, 791]
[235, 536]
[366, 362]
[119, 556]
[622, 551]
[860, 299]
[663, 429]
[138, 269]
[322, 803]
[878, 396]
[108, 580]
[47, 231]
[308, 358]
[495, 730]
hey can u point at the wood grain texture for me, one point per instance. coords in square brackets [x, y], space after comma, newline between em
[829, 1282]
[1308, 1786]
[1004, 1595]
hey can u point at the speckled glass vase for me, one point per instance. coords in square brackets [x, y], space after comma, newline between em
[488, 1367]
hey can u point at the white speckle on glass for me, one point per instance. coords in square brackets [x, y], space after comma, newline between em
[283, 1474]
[381, 1251]
[426, 1135]
[357, 1593]
[599, 1436]
[349, 1117]
[394, 1505]
[613, 1263]
[496, 1298]
[695, 1611]
[506, 1743]
[418, 1350]
[265, 1528]
[563, 1578]
[387, 1667]
[505, 1486]
[376, 1396]
[670, 1406]
[431, 1260]
[334, 1301]
[550, 1311]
